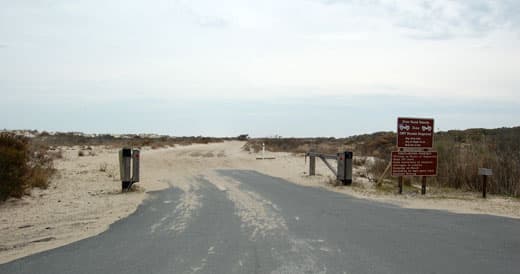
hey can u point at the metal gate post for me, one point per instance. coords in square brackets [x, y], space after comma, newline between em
[348, 167]
[136, 156]
[125, 157]
[344, 173]
[312, 165]
[340, 174]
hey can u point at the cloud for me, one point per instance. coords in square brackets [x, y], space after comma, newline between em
[443, 19]
[212, 22]
[3, 46]
[201, 17]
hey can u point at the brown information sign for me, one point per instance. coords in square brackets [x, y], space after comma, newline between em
[414, 133]
[414, 163]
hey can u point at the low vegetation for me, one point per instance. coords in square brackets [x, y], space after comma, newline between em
[461, 153]
[130, 140]
[297, 145]
[22, 166]
[27, 162]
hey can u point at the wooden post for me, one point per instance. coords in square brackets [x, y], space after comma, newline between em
[423, 185]
[382, 177]
[485, 172]
[312, 165]
[400, 184]
[484, 187]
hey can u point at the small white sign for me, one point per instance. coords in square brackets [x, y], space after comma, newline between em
[485, 171]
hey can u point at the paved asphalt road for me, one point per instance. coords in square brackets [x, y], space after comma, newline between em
[323, 232]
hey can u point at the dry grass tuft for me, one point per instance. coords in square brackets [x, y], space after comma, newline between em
[103, 167]
[359, 161]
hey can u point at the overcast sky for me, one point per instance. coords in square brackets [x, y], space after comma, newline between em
[293, 68]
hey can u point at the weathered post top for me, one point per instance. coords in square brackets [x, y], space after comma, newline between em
[485, 171]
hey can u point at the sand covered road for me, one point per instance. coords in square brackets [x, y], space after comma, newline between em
[248, 222]
[85, 197]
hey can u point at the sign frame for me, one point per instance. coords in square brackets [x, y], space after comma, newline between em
[429, 140]
[417, 171]
[485, 172]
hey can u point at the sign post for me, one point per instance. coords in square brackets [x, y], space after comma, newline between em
[415, 155]
[485, 172]
[423, 185]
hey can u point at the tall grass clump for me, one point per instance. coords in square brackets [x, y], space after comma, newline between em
[461, 154]
[21, 167]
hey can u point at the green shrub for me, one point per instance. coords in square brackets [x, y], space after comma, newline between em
[20, 167]
[14, 157]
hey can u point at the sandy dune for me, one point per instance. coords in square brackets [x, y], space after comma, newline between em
[85, 197]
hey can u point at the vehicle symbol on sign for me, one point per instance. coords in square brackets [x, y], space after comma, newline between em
[426, 128]
[403, 127]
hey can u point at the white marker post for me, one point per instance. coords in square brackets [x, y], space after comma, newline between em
[263, 157]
